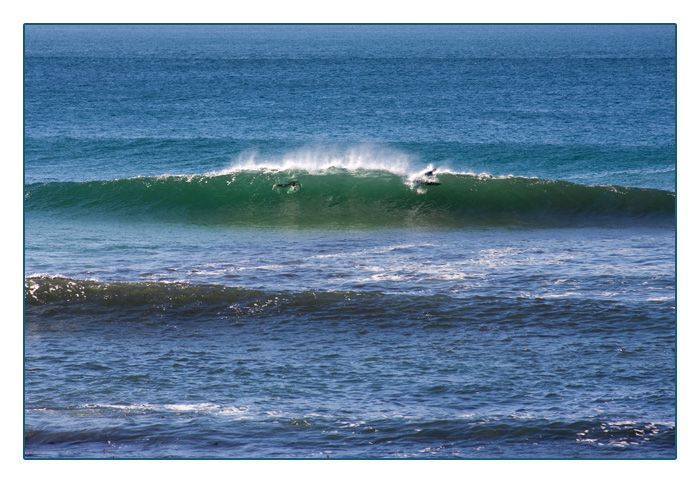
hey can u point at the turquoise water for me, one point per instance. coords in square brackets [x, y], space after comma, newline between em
[233, 248]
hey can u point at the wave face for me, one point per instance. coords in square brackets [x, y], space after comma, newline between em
[360, 197]
[41, 290]
[180, 300]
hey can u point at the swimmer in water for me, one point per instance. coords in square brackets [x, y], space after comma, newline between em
[431, 172]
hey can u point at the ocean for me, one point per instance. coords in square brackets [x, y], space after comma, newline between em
[350, 241]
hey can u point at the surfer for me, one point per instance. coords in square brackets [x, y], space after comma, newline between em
[293, 184]
[431, 180]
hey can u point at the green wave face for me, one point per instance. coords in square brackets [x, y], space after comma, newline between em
[340, 197]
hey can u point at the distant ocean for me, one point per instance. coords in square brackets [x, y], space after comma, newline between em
[350, 241]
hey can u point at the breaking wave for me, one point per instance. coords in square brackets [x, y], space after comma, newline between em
[350, 196]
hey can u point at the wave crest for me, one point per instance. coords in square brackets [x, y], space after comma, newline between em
[321, 159]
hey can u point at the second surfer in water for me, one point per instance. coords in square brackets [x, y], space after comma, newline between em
[294, 185]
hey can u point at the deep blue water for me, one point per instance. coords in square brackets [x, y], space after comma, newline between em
[233, 250]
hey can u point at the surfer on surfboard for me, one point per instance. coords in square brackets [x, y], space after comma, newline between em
[293, 185]
[429, 178]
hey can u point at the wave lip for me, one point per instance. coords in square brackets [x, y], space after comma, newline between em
[337, 196]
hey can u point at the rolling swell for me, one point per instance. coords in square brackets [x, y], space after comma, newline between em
[398, 437]
[431, 312]
[341, 197]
